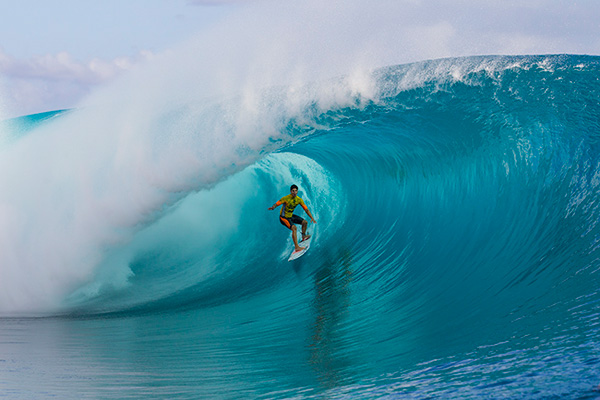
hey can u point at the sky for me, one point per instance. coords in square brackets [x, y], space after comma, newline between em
[53, 53]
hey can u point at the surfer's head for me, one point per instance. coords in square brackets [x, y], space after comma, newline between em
[293, 190]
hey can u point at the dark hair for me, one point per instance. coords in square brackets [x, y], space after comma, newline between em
[293, 187]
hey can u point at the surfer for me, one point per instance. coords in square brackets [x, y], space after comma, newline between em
[288, 218]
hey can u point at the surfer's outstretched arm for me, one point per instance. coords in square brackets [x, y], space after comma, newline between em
[274, 206]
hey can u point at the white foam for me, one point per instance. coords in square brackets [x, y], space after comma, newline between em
[89, 180]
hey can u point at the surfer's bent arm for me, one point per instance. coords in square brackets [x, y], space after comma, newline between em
[308, 212]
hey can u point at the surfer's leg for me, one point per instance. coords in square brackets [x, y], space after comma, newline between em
[304, 224]
[285, 222]
[295, 238]
[289, 223]
[301, 221]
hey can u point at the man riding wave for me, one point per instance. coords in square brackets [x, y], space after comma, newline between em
[288, 218]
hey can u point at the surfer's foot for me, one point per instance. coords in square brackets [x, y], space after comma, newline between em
[299, 249]
[304, 237]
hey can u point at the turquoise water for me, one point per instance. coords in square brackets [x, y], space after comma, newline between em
[455, 251]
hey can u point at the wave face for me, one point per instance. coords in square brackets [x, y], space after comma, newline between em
[456, 245]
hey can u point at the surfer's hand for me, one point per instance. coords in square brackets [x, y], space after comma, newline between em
[313, 221]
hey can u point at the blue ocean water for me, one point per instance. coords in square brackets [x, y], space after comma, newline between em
[455, 253]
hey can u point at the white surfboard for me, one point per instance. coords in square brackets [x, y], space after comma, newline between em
[297, 254]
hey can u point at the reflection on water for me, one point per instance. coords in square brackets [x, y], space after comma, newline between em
[330, 307]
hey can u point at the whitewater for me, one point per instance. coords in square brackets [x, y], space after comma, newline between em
[455, 254]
